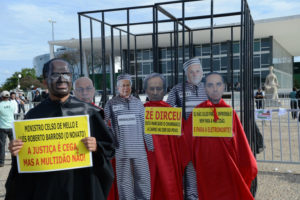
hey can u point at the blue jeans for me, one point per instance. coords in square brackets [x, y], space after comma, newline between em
[3, 134]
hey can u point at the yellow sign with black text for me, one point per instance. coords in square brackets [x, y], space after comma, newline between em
[52, 144]
[163, 120]
[205, 126]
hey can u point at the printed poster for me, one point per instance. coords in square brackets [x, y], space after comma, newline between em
[263, 114]
[163, 120]
[52, 144]
[205, 126]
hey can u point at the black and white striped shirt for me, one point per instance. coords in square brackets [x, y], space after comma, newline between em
[127, 124]
[194, 95]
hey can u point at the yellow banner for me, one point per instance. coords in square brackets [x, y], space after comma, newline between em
[52, 144]
[204, 125]
[163, 120]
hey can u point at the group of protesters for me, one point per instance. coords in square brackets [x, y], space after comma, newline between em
[129, 163]
[11, 105]
[17, 99]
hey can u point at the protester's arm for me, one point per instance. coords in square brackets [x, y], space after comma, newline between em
[108, 116]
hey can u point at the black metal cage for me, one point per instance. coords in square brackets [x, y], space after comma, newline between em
[124, 39]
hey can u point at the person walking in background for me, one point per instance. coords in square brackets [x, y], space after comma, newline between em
[298, 98]
[7, 110]
[14, 101]
[259, 96]
[37, 96]
[45, 94]
[293, 102]
[22, 102]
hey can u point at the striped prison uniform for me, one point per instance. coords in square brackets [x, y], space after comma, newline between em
[127, 124]
[194, 95]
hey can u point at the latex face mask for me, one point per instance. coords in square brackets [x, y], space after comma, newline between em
[214, 88]
[85, 90]
[194, 74]
[155, 90]
[124, 88]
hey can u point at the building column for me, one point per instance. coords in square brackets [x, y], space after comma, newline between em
[111, 74]
[51, 48]
[85, 67]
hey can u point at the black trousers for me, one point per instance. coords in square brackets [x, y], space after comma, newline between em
[21, 108]
[3, 134]
[294, 106]
[259, 103]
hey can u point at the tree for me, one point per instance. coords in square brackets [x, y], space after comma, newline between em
[28, 78]
[27, 82]
[296, 83]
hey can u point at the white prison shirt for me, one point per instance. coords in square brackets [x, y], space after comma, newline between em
[127, 124]
[194, 95]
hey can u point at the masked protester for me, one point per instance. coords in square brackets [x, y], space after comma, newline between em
[13, 99]
[84, 90]
[125, 113]
[7, 110]
[225, 166]
[194, 95]
[84, 183]
[165, 163]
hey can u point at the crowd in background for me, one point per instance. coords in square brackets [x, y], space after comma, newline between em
[23, 103]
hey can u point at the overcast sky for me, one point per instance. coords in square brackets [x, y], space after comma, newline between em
[25, 30]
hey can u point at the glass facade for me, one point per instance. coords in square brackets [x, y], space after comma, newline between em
[283, 66]
[38, 63]
[261, 60]
[266, 52]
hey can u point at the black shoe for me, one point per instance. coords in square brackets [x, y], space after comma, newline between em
[1, 165]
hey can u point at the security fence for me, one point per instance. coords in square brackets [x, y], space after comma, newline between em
[280, 129]
[281, 137]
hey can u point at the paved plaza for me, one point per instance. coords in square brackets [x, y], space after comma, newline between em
[275, 181]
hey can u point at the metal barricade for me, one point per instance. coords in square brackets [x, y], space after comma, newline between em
[281, 134]
[266, 103]
[27, 106]
[281, 137]
[19, 116]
